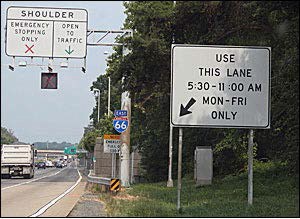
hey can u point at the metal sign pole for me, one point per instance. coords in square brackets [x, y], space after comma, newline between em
[115, 165]
[250, 167]
[112, 165]
[170, 181]
[179, 168]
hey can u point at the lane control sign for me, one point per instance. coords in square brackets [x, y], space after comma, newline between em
[46, 32]
[49, 80]
[120, 124]
[220, 86]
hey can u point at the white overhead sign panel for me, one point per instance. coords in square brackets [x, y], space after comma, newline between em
[220, 86]
[46, 32]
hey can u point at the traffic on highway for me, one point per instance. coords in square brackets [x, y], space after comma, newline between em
[22, 197]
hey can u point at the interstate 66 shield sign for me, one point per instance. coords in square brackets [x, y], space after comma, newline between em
[120, 124]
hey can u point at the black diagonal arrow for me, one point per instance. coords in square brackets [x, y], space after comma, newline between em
[185, 110]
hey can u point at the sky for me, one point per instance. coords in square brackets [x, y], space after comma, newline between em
[55, 115]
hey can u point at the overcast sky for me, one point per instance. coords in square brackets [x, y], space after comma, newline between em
[55, 115]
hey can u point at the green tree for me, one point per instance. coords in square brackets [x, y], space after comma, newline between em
[145, 73]
[104, 126]
[7, 136]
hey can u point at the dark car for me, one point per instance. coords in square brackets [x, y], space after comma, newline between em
[59, 164]
[41, 165]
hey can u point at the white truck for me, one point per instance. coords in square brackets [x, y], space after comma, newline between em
[17, 160]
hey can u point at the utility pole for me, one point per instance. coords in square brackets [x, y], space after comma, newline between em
[98, 93]
[108, 102]
[98, 105]
[125, 141]
[113, 155]
[170, 181]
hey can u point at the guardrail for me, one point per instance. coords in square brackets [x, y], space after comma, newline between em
[98, 180]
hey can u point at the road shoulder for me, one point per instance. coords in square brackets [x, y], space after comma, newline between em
[65, 205]
[89, 205]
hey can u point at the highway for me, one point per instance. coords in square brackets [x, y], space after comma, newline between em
[24, 197]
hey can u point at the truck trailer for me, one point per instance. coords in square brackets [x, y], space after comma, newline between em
[17, 160]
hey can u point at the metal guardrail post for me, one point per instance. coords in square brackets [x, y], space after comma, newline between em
[98, 180]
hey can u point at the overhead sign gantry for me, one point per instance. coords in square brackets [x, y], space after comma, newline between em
[46, 32]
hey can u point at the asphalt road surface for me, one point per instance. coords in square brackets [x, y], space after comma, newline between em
[24, 197]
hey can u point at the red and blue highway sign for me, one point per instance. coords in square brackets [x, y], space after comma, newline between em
[120, 124]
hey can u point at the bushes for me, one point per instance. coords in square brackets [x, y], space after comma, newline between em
[230, 155]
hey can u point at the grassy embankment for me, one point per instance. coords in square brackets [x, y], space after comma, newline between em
[276, 194]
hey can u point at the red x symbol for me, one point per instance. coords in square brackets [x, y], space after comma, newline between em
[48, 82]
[29, 49]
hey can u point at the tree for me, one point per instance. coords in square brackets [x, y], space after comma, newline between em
[7, 136]
[104, 126]
[145, 73]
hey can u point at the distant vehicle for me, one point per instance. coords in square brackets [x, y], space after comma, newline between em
[64, 163]
[41, 165]
[49, 163]
[59, 164]
[17, 160]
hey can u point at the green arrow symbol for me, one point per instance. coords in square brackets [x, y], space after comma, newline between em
[69, 51]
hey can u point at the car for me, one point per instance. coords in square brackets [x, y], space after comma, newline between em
[49, 163]
[59, 164]
[41, 165]
[65, 163]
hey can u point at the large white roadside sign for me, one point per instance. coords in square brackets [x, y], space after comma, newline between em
[220, 86]
[46, 32]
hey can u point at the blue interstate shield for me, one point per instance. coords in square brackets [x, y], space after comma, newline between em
[120, 124]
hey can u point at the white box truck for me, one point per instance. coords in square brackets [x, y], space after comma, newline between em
[17, 160]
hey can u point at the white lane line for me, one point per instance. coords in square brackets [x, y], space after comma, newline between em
[9, 187]
[49, 204]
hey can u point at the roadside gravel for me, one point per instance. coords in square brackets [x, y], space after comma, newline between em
[88, 205]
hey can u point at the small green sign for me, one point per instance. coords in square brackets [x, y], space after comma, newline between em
[70, 150]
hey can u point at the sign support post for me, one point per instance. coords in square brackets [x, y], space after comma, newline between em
[250, 167]
[112, 166]
[179, 168]
[170, 181]
[125, 142]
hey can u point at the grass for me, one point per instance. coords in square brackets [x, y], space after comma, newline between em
[276, 194]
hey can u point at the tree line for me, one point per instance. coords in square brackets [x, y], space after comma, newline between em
[145, 73]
